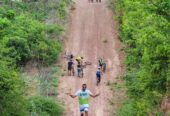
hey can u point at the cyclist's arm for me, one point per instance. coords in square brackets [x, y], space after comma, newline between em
[94, 95]
[73, 96]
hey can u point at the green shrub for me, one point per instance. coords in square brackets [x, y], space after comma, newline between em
[23, 37]
[57, 29]
[29, 41]
[127, 109]
[42, 106]
[62, 10]
[11, 92]
[20, 50]
[144, 29]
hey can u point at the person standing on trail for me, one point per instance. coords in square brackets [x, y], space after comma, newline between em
[79, 69]
[70, 67]
[80, 60]
[80, 66]
[83, 96]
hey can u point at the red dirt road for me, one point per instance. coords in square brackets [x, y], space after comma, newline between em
[92, 34]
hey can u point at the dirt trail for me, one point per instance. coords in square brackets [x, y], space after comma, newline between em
[92, 34]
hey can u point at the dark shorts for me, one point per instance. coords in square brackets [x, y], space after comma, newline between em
[69, 68]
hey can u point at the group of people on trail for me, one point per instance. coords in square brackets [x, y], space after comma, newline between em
[84, 93]
[81, 65]
[93, 1]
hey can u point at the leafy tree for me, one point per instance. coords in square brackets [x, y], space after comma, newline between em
[11, 92]
[144, 28]
[24, 36]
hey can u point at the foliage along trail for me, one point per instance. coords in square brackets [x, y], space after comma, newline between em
[92, 34]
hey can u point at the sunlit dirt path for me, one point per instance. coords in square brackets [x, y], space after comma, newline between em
[92, 34]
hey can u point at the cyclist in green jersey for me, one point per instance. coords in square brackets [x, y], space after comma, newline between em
[102, 64]
[83, 96]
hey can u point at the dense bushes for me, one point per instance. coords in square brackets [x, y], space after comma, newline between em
[144, 28]
[11, 89]
[41, 106]
[24, 37]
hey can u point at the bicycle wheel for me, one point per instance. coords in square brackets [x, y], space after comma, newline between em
[98, 81]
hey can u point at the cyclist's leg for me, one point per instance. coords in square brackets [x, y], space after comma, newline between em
[99, 79]
[82, 109]
[82, 73]
[69, 68]
[78, 72]
[68, 72]
[73, 71]
[86, 113]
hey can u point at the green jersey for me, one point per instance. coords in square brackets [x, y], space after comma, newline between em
[83, 96]
[101, 61]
